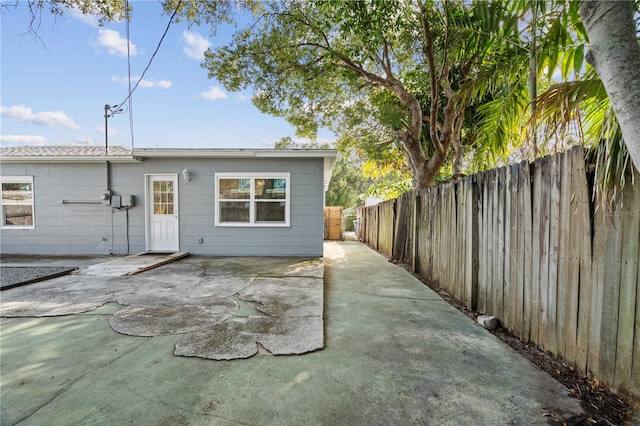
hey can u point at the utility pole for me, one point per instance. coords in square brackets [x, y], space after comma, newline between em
[108, 112]
[107, 108]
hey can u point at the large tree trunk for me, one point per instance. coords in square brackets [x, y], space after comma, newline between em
[425, 176]
[615, 53]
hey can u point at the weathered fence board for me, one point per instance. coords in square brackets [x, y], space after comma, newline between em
[564, 330]
[386, 227]
[523, 274]
[538, 235]
[580, 209]
[611, 294]
[497, 284]
[402, 232]
[525, 243]
[635, 366]
[553, 258]
[509, 251]
[570, 246]
[628, 287]
[515, 232]
[481, 246]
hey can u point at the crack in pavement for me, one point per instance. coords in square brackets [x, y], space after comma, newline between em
[82, 376]
[179, 408]
[284, 310]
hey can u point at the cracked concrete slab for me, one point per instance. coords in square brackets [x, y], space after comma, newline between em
[395, 353]
[284, 296]
[42, 358]
[59, 296]
[276, 267]
[277, 335]
[164, 317]
[194, 298]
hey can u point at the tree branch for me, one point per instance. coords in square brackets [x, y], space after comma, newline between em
[427, 50]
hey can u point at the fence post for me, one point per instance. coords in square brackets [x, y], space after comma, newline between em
[378, 225]
[475, 241]
[415, 215]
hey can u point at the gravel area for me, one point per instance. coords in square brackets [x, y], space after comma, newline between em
[16, 276]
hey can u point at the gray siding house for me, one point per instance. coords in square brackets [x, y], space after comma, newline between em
[74, 200]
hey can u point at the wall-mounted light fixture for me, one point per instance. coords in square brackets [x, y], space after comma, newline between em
[186, 175]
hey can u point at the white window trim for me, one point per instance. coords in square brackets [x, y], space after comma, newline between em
[18, 179]
[252, 201]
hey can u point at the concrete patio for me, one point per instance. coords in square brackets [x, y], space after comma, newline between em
[393, 351]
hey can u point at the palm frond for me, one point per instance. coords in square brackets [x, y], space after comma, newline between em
[580, 112]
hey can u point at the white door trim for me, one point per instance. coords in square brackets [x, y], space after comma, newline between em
[171, 245]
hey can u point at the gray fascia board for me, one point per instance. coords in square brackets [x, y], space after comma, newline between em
[234, 153]
[140, 154]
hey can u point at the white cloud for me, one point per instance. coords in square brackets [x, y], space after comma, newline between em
[196, 45]
[45, 118]
[162, 84]
[77, 15]
[214, 93]
[23, 140]
[241, 97]
[114, 43]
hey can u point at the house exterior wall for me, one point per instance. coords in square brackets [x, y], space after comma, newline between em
[84, 229]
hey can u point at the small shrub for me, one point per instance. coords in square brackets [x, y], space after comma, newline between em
[348, 223]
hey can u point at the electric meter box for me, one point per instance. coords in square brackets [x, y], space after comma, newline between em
[128, 201]
[116, 201]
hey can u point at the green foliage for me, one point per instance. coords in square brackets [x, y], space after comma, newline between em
[388, 190]
[581, 110]
[288, 143]
[349, 226]
[361, 67]
[347, 180]
[347, 184]
[195, 12]
[211, 13]
[104, 10]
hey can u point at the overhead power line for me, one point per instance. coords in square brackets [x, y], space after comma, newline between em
[126, 5]
[128, 98]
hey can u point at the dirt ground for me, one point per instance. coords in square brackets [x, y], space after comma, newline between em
[600, 406]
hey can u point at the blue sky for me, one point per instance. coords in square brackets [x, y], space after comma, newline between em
[53, 90]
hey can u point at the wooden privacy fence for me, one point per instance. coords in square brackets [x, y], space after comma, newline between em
[524, 243]
[332, 223]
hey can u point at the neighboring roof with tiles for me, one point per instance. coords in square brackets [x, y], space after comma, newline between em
[63, 151]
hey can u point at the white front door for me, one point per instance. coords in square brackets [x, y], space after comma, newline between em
[162, 213]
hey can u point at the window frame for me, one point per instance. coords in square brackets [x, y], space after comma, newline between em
[17, 179]
[253, 201]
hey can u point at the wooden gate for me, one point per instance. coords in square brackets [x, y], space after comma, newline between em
[333, 223]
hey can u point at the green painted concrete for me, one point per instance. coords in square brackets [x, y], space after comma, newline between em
[395, 353]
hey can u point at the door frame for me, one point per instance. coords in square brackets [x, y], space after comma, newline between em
[148, 205]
